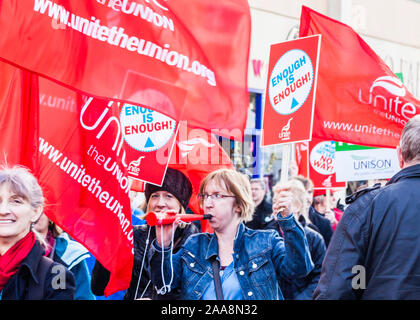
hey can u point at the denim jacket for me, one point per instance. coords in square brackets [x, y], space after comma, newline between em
[260, 259]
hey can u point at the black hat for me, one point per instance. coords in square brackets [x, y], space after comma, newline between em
[176, 183]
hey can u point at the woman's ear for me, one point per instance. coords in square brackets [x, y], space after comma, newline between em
[37, 214]
[237, 208]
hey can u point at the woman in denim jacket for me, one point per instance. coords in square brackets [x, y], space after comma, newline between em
[252, 262]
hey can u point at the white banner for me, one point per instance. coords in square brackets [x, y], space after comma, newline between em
[366, 164]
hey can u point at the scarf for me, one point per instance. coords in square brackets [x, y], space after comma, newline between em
[11, 260]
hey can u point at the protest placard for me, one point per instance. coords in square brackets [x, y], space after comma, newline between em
[290, 94]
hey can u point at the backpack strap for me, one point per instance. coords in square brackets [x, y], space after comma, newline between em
[36, 291]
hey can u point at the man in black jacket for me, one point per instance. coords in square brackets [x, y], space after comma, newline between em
[263, 207]
[317, 221]
[374, 252]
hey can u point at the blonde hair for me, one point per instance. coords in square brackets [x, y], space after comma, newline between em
[296, 187]
[236, 184]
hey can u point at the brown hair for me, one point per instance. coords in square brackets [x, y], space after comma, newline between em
[236, 184]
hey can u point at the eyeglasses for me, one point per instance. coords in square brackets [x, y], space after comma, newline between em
[214, 197]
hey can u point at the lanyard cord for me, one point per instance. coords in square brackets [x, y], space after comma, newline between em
[167, 287]
[142, 265]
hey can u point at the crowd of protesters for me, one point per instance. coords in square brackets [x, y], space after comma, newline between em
[288, 242]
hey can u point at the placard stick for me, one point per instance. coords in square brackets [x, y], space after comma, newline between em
[285, 163]
[328, 195]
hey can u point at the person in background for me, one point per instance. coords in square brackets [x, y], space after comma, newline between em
[328, 210]
[263, 208]
[250, 263]
[25, 274]
[317, 219]
[302, 288]
[69, 253]
[374, 252]
[173, 195]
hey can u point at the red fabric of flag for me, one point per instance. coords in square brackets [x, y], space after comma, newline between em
[302, 158]
[359, 99]
[84, 178]
[192, 55]
[19, 117]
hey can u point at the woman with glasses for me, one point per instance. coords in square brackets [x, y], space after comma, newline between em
[235, 262]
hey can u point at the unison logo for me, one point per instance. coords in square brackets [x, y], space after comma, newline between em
[379, 164]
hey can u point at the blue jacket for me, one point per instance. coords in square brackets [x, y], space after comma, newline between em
[73, 255]
[261, 259]
[375, 250]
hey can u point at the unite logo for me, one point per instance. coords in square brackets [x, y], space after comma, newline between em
[188, 145]
[327, 182]
[133, 167]
[285, 131]
[391, 84]
[389, 101]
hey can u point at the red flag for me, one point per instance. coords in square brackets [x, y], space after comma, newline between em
[197, 153]
[192, 55]
[359, 99]
[85, 179]
[137, 185]
[19, 117]
[302, 158]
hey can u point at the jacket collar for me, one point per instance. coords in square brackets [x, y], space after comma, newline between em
[411, 171]
[31, 261]
[302, 220]
[213, 246]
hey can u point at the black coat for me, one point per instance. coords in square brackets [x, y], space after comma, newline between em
[303, 288]
[322, 223]
[375, 250]
[36, 278]
[100, 275]
[262, 216]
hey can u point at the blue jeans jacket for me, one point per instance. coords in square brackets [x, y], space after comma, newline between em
[260, 259]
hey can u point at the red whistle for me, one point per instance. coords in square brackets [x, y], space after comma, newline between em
[169, 217]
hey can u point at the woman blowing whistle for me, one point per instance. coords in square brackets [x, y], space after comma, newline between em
[249, 263]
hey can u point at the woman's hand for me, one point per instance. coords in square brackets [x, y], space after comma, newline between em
[330, 216]
[282, 202]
